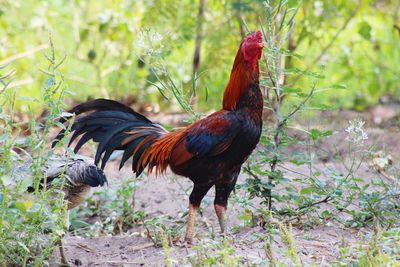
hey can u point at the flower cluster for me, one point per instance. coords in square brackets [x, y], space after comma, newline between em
[151, 43]
[356, 131]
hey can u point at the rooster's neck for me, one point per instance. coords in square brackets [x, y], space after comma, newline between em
[243, 75]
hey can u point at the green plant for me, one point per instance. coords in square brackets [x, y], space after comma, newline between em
[25, 238]
[161, 232]
[113, 208]
[380, 248]
[286, 234]
[215, 253]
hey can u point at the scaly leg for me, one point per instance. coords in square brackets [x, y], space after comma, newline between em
[222, 192]
[220, 210]
[198, 193]
[190, 223]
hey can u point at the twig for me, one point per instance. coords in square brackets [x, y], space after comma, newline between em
[324, 200]
[9, 74]
[85, 247]
[294, 111]
[389, 177]
[23, 54]
[250, 172]
[121, 263]
[143, 246]
[21, 83]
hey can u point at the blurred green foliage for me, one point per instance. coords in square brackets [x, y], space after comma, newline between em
[114, 48]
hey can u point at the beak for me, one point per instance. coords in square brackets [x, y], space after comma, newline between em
[262, 45]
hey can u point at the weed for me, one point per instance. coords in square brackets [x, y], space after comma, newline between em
[286, 234]
[25, 238]
[159, 231]
[113, 208]
[215, 253]
[380, 248]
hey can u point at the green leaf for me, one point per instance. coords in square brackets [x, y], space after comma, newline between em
[320, 107]
[48, 83]
[316, 134]
[339, 86]
[60, 125]
[304, 73]
[326, 214]
[290, 90]
[23, 246]
[298, 161]
[364, 29]
[307, 190]
[287, 52]
[338, 192]
[26, 98]
[83, 34]
[20, 205]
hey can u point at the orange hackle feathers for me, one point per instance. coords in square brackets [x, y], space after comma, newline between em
[238, 84]
[244, 71]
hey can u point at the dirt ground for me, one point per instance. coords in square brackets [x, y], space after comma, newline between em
[165, 196]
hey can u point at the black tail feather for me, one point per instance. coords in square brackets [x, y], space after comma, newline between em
[94, 176]
[111, 124]
[98, 105]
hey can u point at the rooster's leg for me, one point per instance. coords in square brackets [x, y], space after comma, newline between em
[190, 223]
[220, 210]
[198, 193]
[222, 192]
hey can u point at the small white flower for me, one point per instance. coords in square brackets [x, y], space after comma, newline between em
[38, 22]
[356, 132]
[151, 43]
[156, 37]
[318, 8]
[105, 16]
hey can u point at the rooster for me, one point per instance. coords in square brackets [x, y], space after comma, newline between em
[209, 152]
[79, 175]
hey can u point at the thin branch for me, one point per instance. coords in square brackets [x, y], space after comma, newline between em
[294, 111]
[324, 200]
[21, 82]
[23, 54]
